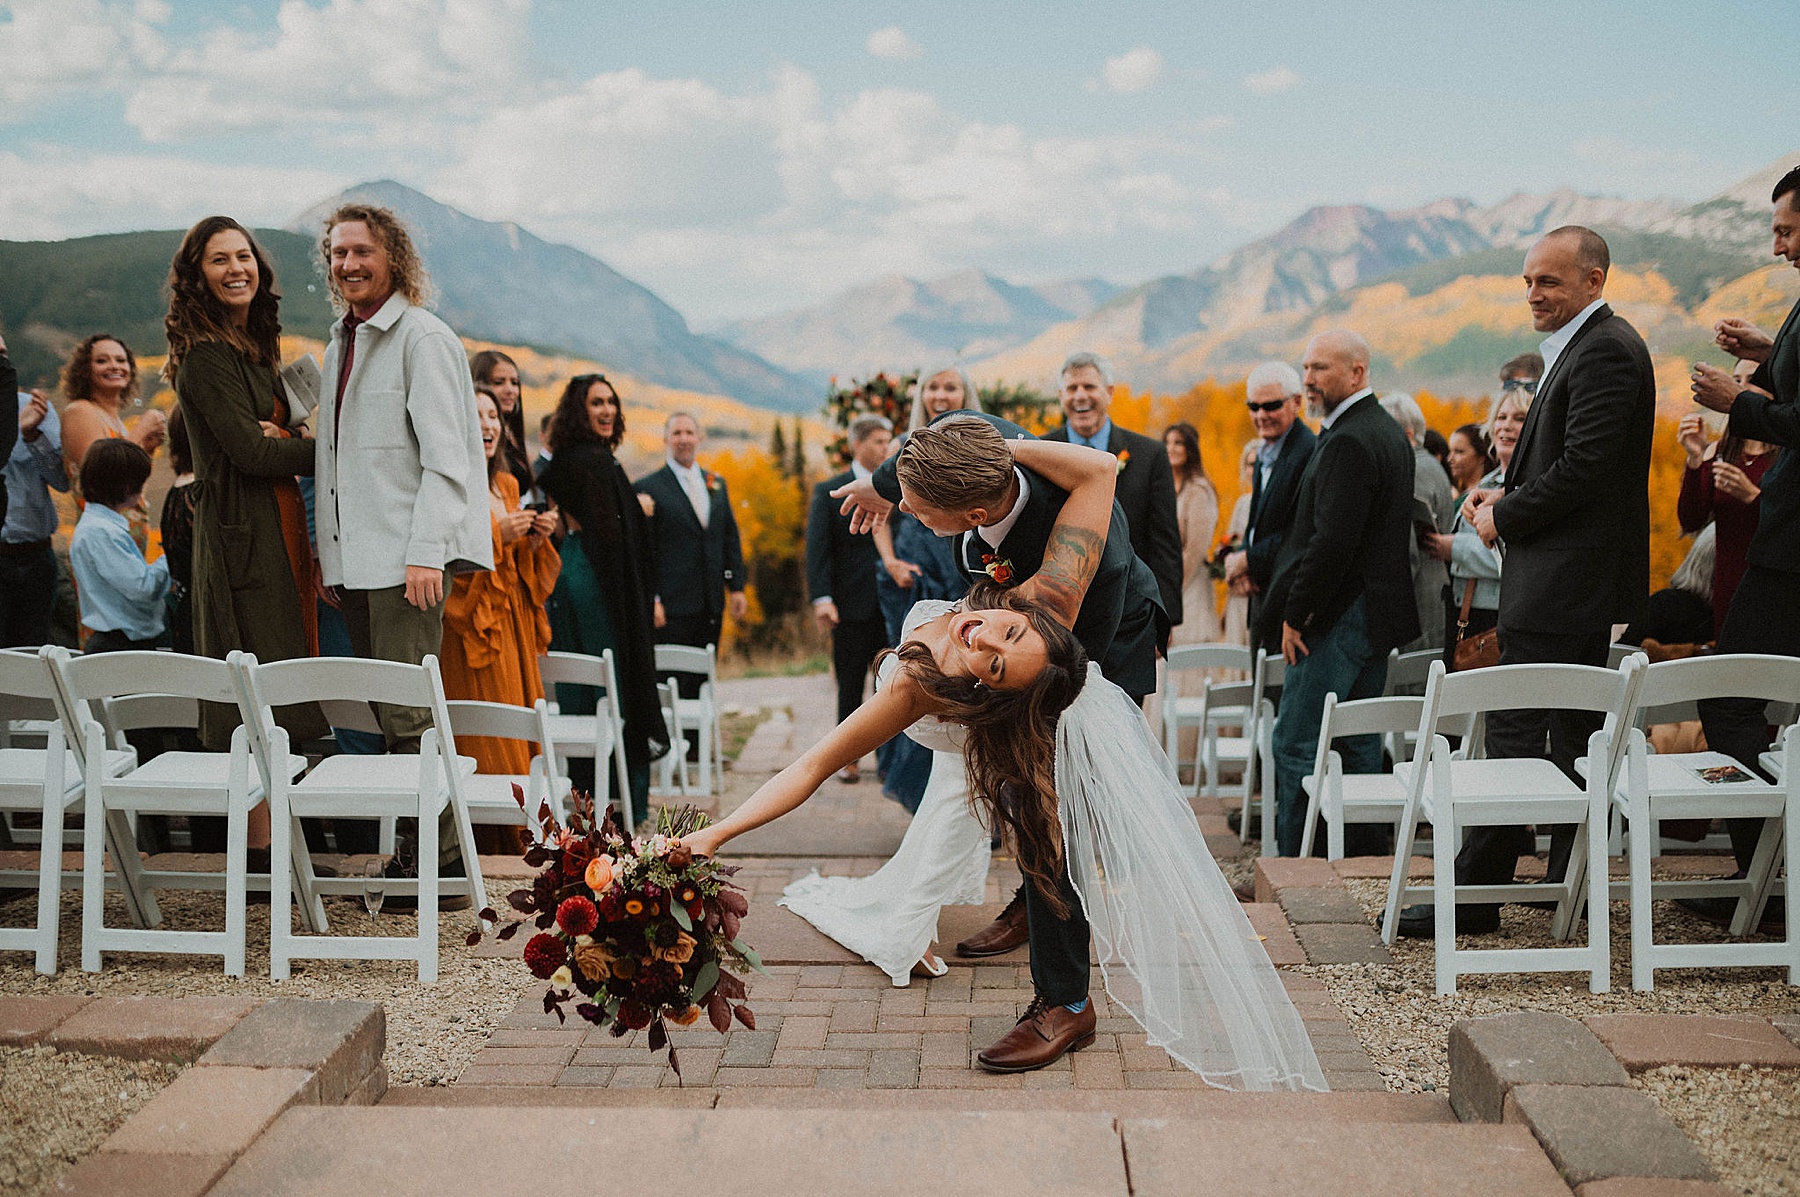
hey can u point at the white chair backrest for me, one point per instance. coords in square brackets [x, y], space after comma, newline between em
[1616, 654]
[685, 658]
[1372, 716]
[127, 690]
[502, 721]
[1210, 656]
[1610, 692]
[1670, 688]
[260, 688]
[576, 669]
[1215, 695]
[1407, 672]
[27, 689]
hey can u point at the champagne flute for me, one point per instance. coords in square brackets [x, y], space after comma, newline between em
[374, 887]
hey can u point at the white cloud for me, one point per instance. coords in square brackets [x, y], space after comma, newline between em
[55, 47]
[387, 72]
[50, 194]
[1134, 70]
[894, 44]
[1271, 82]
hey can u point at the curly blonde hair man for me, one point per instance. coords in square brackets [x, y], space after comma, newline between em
[409, 277]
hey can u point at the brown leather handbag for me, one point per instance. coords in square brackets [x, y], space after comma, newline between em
[1480, 650]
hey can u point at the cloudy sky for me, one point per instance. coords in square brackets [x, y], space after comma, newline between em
[741, 159]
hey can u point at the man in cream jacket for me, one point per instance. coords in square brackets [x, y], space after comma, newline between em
[402, 483]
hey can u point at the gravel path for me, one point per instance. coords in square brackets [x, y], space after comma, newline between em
[1746, 1121]
[57, 1107]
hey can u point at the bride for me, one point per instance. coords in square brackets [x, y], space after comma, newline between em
[1061, 762]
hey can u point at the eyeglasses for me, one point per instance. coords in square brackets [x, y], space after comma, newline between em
[1271, 405]
[1528, 385]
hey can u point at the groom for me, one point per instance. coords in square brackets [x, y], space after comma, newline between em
[1003, 520]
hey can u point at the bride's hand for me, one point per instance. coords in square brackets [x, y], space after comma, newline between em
[704, 842]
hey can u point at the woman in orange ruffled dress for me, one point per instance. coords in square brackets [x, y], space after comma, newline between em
[495, 626]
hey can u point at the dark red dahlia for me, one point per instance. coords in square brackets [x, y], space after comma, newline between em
[635, 1015]
[544, 955]
[610, 905]
[577, 916]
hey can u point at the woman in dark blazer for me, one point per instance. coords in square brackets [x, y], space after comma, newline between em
[604, 592]
[252, 564]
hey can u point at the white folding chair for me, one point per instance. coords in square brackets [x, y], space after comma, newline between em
[1341, 798]
[110, 694]
[1184, 707]
[1659, 786]
[671, 771]
[699, 714]
[48, 782]
[1408, 672]
[1455, 794]
[1259, 772]
[490, 795]
[403, 785]
[600, 736]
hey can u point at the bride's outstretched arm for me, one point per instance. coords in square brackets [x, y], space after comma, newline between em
[893, 708]
[1078, 539]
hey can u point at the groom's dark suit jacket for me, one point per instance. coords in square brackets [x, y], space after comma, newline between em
[1351, 534]
[695, 566]
[1575, 518]
[1776, 544]
[1122, 621]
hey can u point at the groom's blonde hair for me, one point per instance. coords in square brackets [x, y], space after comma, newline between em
[956, 463]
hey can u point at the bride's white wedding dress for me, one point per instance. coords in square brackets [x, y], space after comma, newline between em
[1175, 948]
[890, 917]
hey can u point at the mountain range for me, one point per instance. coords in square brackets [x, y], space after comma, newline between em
[1435, 288]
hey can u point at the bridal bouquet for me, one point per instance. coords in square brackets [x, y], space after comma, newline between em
[642, 930]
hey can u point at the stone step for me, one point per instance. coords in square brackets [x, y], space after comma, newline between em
[1202, 1105]
[995, 1153]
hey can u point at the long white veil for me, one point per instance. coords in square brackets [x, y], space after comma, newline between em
[1175, 948]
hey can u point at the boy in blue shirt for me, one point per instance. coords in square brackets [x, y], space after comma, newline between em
[121, 594]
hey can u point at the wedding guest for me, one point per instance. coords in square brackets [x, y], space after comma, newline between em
[1574, 518]
[699, 554]
[402, 479]
[1432, 504]
[839, 570]
[98, 381]
[252, 566]
[1722, 484]
[1469, 458]
[1682, 611]
[28, 569]
[1765, 613]
[500, 375]
[1197, 516]
[9, 419]
[603, 591]
[1146, 486]
[1461, 547]
[1272, 395]
[1436, 444]
[121, 594]
[1340, 597]
[495, 622]
[176, 523]
[1237, 595]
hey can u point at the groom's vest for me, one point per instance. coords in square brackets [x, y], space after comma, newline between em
[1121, 623]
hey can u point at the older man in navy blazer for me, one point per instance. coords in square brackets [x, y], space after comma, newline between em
[1272, 394]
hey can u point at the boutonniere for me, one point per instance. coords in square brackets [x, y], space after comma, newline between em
[1124, 459]
[999, 569]
[713, 482]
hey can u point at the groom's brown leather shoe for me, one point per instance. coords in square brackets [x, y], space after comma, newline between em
[1002, 935]
[1042, 1036]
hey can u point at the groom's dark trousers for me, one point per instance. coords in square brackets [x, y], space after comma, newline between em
[1121, 625]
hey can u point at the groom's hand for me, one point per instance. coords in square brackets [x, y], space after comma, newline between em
[867, 509]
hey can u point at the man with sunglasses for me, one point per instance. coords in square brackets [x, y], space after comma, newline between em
[1272, 393]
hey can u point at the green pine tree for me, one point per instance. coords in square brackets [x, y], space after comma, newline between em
[799, 466]
[778, 448]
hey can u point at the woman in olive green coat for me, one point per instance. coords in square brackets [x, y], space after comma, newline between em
[253, 577]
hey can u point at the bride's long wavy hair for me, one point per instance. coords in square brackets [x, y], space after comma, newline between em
[1011, 749]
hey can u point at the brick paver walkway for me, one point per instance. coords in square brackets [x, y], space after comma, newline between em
[827, 1020]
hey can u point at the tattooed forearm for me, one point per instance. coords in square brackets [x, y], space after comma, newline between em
[1070, 563]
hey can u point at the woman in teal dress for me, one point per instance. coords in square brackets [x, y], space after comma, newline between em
[604, 594]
